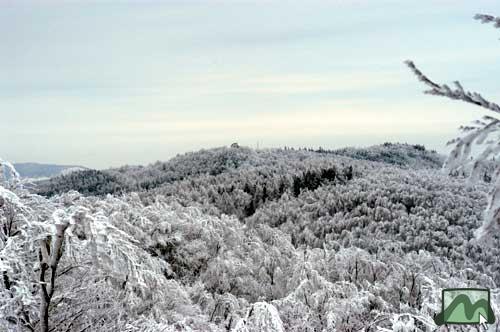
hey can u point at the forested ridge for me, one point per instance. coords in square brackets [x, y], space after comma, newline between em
[236, 239]
[222, 160]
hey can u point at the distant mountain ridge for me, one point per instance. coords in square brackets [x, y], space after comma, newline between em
[38, 170]
[224, 160]
[400, 154]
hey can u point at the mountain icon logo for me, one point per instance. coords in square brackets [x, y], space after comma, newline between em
[465, 306]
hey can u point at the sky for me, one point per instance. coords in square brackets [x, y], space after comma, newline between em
[108, 83]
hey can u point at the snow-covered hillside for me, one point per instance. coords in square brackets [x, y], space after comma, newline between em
[233, 239]
[231, 160]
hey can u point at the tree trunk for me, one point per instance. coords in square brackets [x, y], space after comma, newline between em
[50, 257]
[44, 316]
[45, 299]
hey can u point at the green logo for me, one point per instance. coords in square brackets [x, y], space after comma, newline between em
[465, 306]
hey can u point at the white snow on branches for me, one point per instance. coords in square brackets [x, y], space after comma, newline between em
[476, 153]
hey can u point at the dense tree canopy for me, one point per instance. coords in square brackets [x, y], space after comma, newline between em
[233, 239]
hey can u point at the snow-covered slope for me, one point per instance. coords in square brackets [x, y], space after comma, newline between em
[233, 239]
[224, 160]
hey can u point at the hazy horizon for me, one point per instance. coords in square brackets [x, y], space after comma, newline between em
[123, 82]
[256, 148]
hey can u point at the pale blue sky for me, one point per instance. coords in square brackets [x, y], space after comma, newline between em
[106, 83]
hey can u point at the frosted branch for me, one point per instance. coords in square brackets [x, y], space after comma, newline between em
[458, 93]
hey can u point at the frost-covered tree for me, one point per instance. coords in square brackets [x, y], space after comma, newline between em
[365, 242]
[481, 162]
[67, 264]
[261, 317]
[9, 177]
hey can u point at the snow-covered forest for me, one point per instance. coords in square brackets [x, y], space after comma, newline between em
[233, 238]
[236, 239]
